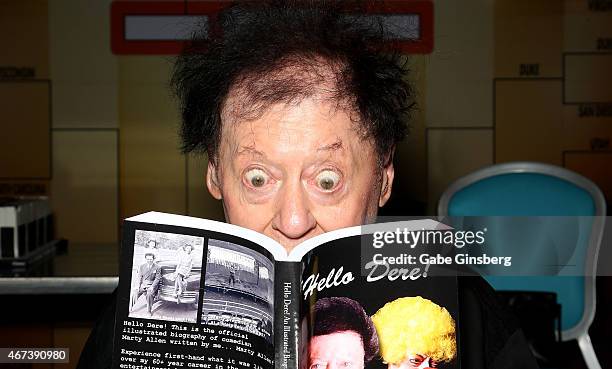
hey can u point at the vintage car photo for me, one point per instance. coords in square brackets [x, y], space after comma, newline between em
[167, 290]
[166, 276]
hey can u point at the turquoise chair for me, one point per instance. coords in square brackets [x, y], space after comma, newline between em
[501, 194]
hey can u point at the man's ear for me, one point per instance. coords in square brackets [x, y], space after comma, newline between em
[212, 180]
[388, 173]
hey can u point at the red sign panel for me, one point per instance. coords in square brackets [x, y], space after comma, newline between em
[163, 27]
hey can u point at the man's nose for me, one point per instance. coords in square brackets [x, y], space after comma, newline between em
[293, 218]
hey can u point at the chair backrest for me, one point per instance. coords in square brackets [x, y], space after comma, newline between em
[526, 189]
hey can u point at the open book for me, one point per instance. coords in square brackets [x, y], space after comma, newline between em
[196, 293]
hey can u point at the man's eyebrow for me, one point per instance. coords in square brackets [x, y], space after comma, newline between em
[332, 147]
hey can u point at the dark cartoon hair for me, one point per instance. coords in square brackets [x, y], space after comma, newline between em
[281, 52]
[338, 314]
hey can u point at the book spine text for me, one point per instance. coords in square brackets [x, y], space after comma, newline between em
[287, 313]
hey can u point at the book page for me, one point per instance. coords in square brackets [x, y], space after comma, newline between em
[273, 247]
[298, 253]
[193, 298]
[376, 315]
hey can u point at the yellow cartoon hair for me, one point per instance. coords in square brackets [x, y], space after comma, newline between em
[414, 325]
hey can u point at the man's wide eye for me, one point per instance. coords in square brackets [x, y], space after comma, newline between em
[256, 177]
[327, 180]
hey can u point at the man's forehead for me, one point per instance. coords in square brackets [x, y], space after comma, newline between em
[312, 125]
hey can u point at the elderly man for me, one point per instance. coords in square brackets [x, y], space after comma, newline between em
[343, 337]
[299, 115]
[299, 110]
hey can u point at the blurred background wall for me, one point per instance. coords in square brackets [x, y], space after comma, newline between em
[507, 80]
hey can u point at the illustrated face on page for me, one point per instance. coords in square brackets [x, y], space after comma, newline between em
[416, 361]
[340, 350]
